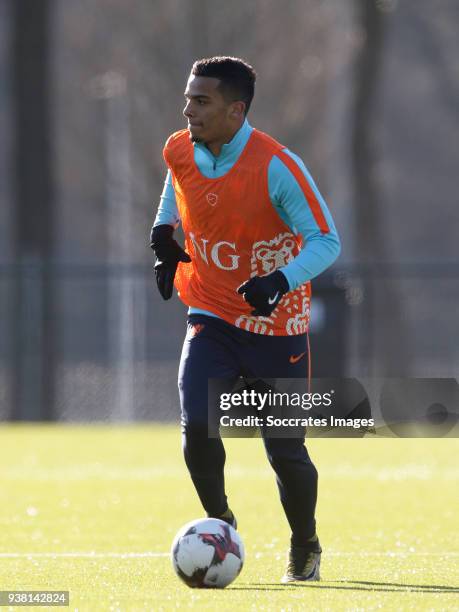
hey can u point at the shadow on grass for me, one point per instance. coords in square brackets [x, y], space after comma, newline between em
[431, 587]
[354, 585]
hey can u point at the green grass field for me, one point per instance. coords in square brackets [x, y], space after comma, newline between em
[93, 510]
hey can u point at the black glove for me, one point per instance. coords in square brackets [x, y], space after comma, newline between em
[168, 254]
[264, 292]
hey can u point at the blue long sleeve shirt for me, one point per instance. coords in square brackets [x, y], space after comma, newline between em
[319, 250]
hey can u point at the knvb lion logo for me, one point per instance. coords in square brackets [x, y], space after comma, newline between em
[212, 198]
[267, 256]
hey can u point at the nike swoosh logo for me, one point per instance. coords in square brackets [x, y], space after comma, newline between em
[272, 300]
[294, 359]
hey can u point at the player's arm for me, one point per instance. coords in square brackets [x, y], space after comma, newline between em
[168, 252]
[167, 213]
[300, 205]
[298, 201]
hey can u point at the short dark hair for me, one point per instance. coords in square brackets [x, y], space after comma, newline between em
[237, 77]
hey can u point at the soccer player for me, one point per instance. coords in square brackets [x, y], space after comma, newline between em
[256, 232]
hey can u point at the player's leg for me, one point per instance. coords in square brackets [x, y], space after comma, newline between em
[297, 478]
[206, 354]
[296, 475]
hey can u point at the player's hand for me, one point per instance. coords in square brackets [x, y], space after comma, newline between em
[264, 292]
[168, 254]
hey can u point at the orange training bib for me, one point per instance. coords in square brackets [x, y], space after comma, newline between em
[232, 232]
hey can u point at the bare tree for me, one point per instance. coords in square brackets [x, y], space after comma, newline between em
[383, 307]
[33, 316]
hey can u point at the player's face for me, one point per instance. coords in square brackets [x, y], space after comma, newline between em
[210, 116]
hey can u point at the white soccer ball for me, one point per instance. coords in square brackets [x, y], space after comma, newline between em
[207, 553]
